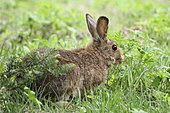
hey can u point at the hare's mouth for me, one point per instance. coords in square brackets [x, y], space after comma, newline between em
[119, 60]
[115, 61]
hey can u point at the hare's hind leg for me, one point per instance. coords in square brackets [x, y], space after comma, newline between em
[76, 93]
[63, 102]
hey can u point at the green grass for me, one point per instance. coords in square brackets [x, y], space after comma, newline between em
[140, 84]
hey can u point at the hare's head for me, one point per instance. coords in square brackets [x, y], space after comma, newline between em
[107, 47]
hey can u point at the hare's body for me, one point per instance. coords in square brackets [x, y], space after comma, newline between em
[90, 71]
[91, 63]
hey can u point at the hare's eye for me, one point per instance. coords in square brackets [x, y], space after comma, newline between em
[114, 47]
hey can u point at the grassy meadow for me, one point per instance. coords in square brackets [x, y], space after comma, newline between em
[141, 84]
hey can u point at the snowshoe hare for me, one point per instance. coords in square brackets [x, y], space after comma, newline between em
[91, 63]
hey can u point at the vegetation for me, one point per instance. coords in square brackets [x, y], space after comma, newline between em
[140, 27]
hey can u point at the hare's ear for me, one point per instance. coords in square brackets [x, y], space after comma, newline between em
[91, 26]
[102, 26]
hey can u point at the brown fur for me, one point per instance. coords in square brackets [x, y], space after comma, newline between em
[91, 63]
